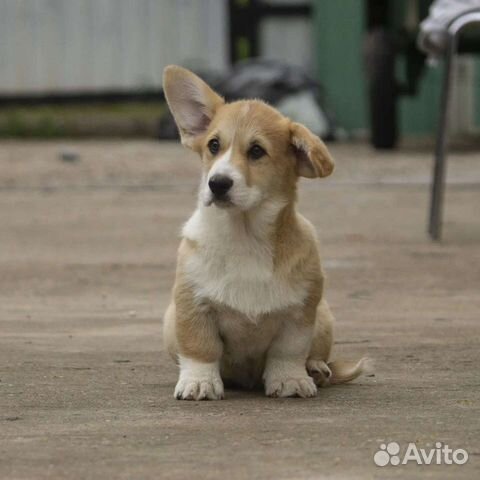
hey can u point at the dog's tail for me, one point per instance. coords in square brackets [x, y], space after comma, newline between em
[345, 371]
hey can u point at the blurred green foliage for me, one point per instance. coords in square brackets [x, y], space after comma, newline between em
[109, 119]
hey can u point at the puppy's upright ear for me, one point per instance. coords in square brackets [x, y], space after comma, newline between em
[312, 157]
[192, 102]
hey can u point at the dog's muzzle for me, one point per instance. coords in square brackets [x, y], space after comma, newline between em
[219, 186]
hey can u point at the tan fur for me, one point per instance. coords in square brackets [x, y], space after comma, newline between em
[209, 331]
[196, 332]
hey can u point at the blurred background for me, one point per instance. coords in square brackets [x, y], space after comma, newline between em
[94, 68]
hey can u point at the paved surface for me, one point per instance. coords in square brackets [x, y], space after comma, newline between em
[87, 254]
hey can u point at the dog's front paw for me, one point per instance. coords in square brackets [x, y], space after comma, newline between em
[198, 381]
[319, 371]
[302, 386]
[190, 388]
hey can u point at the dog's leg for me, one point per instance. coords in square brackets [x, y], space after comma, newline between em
[169, 335]
[285, 374]
[317, 362]
[198, 380]
[319, 366]
[199, 350]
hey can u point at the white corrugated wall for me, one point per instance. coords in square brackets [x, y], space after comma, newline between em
[85, 45]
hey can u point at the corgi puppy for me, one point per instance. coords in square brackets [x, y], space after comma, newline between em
[248, 305]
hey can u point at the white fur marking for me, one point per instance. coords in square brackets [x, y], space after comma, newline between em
[285, 374]
[198, 381]
[288, 379]
[233, 265]
[241, 195]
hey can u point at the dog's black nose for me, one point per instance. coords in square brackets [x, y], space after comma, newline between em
[220, 185]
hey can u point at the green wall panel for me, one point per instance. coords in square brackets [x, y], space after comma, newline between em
[339, 34]
[418, 114]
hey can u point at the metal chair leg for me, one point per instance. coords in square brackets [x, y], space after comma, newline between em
[438, 182]
[439, 167]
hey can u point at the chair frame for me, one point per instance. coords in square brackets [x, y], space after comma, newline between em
[439, 166]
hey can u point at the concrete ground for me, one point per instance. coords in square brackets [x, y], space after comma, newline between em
[87, 256]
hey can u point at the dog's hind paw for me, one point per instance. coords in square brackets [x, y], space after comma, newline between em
[319, 371]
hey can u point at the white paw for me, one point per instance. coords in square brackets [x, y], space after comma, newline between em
[198, 381]
[320, 372]
[196, 389]
[290, 387]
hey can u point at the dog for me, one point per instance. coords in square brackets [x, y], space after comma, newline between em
[247, 306]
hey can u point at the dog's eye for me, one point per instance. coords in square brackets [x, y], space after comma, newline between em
[256, 152]
[214, 146]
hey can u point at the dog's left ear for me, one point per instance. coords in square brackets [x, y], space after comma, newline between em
[192, 102]
[313, 158]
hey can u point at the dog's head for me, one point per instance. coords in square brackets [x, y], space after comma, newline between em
[250, 152]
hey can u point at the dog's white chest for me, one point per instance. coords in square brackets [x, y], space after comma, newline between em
[233, 268]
